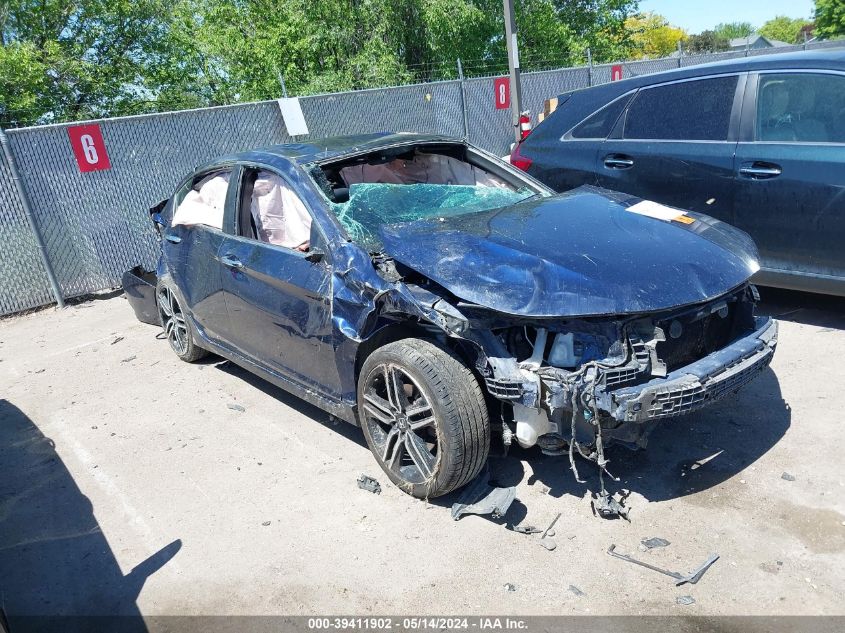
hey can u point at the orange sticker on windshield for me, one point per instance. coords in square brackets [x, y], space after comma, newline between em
[684, 219]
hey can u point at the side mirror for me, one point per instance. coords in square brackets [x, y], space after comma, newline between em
[158, 221]
[315, 255]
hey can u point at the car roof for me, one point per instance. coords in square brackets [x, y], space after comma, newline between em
[800, 60]
[336, 147]
[575, 105]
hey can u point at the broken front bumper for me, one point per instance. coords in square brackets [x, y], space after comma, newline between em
[700, 383]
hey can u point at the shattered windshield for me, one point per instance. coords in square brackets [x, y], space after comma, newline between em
[372, 205]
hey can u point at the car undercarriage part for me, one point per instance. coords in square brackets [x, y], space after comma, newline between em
[365, 482]
[482, 498]
[692, 577]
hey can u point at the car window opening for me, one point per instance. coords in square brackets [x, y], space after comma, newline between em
[204, 202]
[272, 213]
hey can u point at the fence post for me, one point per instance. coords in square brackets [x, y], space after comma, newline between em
[463, 100]
[680, 52]
[589, 67]
[13, 171]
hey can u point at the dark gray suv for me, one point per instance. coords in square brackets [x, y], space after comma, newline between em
[757, 142]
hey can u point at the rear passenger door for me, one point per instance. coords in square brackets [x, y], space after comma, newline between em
[790, 170]
[675, 144]
[279, 298]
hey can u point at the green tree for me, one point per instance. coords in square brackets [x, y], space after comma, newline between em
[653, 36]
[72, 59]
[830, 18]
[65, 59]
[707, 42]
[783, 28]
[733, 30]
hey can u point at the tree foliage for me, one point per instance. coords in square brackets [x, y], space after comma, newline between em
[733, 30]
[830, 18]
[783, 28]
[707, 42]
[73, 59]
[652, 35]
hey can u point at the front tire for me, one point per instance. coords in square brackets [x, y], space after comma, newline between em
[424, 417]
[176, 324]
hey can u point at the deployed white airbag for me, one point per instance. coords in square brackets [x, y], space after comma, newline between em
[204, 203]
[279, 215]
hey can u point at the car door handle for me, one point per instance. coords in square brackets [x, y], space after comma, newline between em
[618, 161]
[231, 261]
[759, 170]
[172, 238]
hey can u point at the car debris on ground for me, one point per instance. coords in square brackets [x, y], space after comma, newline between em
[546, 540]
[680, 579]
[607, 506]
[685, 600]
[479, 497]
[365, 482]
[236, 407]
[653, 542]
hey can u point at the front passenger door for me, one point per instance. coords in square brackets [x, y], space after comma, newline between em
[790, 171]
[279, 298]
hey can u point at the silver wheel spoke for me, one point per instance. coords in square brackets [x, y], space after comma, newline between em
[423, 423]
[419, 409]
[394, 386]
[164, 304]
[419, 454]
[378, 408]
[393, 448]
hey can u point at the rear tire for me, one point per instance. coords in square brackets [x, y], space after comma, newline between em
[176, 324]
[424, 417]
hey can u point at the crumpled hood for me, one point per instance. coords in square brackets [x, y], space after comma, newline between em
[580, 253]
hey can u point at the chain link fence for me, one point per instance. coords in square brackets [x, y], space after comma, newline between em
[95, 225]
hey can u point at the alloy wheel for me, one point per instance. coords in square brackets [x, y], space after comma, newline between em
[401, 424]
[173, 320]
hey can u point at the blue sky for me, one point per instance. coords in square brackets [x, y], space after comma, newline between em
[698, 15]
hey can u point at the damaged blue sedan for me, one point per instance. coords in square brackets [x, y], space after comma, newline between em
[434, 295]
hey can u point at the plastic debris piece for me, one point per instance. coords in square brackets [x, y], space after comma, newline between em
[526, 529]
[129, 360]
[787, 477]
[482, 498]
[548, 543]
[365, 482]
[236, 407]
[266, 523]
[685, 600]
[576, 591]
[509, 586]
[655, 541]
[117, 340]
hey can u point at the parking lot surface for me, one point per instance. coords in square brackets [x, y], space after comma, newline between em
[132, 482]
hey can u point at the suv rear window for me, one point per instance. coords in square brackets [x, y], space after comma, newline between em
[698, 110]
[600, 123]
